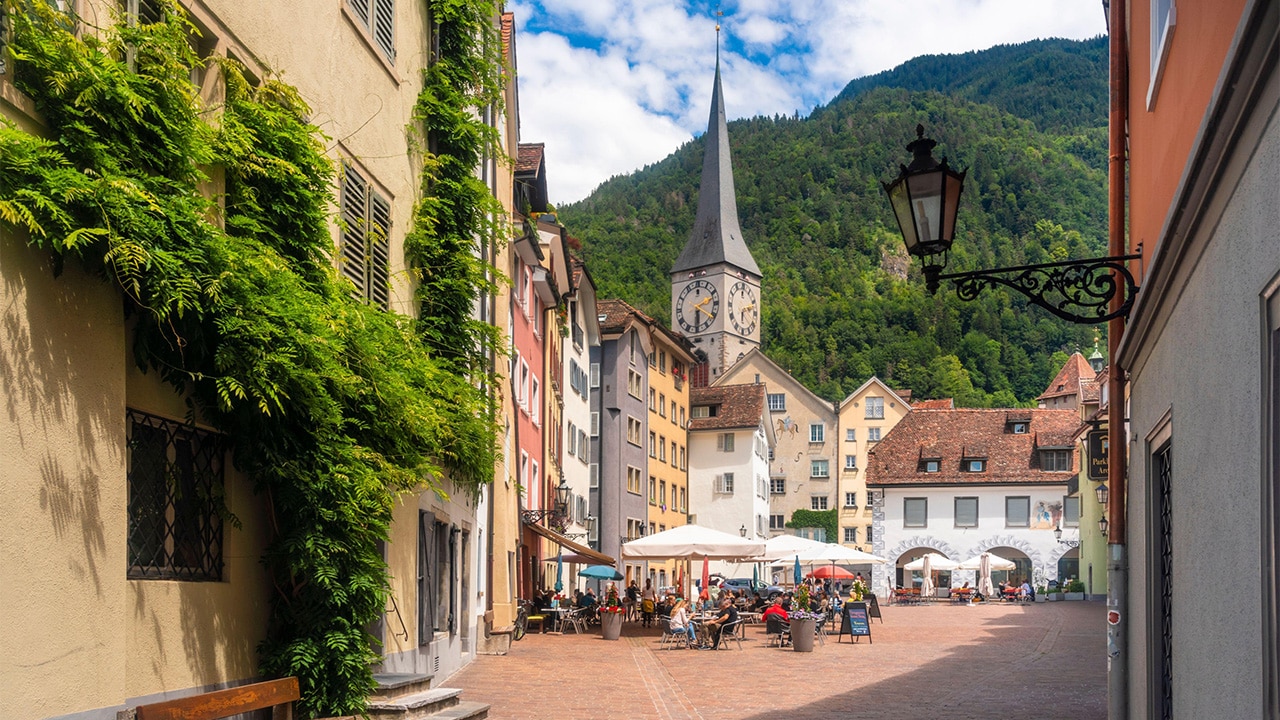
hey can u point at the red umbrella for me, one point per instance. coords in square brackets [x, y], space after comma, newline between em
[831, 571]
[706, 580]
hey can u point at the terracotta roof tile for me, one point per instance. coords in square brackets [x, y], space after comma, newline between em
[953, 435]
[615, 314]
[740, 406]
[508, 25]
[1069, 378]
[939, 404]
[529, 159]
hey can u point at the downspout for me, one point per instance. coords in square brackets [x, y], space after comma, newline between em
[1117, 465]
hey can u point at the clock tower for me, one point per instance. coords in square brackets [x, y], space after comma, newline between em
[715, 283]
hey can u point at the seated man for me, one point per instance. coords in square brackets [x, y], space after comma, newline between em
[728, 615]
[1025, 592]
[777, 610]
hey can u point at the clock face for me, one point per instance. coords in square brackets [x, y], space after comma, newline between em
[744, 311]
[697, 306]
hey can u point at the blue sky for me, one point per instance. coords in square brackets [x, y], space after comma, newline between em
[613, 85]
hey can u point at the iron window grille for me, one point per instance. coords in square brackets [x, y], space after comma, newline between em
[176, 500]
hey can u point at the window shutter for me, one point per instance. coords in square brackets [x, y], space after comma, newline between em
[384, 35]
[595, 424]
[379, 250]
[361, 10]
[593, 472]
[595, 375]
[354, 197]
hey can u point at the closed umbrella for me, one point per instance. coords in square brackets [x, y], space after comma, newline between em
[984, 576]
[799, 575]
[559, 572]
[926, 587]
[706, 580]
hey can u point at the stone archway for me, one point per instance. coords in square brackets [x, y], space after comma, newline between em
[882, 576]
[1042, 570]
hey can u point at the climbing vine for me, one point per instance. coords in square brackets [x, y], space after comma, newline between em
[333, 408]
[826, 519]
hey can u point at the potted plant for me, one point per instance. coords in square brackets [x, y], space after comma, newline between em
[803, 622]
[611, 611]
[858, 590]
[1042, 594]
[1075, 590]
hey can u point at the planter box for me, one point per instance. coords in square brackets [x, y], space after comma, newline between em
[1041, 598]
[1053, 597]
[1075, 596]
[802, 634]
[611, 625]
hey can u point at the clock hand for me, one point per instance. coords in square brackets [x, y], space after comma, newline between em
[704, 310]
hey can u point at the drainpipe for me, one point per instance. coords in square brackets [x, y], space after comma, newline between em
[1117, 560]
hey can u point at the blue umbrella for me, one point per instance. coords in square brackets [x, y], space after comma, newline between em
[603, 572]
[799, 574]
[559, 572]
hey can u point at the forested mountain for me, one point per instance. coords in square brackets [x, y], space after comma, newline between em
[841, 301]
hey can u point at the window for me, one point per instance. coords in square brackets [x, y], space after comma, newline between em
[1055, 460]
[973, 465]
[633, 479]
[635, 528]
[930, 465]
[653, 400]
[778, 486]
[595, 424]
[1017, 511]
[662, 493]
[635, 386]
[662, 448]
[535, 401]
[966, 512]
[522, 390]
[724, 442]
[631, 350]
[175, 481]
[365, 255]
[593, 475]
[594, 375]
[873, 434]
[662, 361]
[850, 462]
[673, 454]
[915, 512]
[850, 435]
[875, 408]
[684, 501]
[583, 448]
[770, 454]
[777, 522]
[535, 479]
[818, 502]
[851, 534]
[700, 411]
[673, 411]
[653, 490]
[851, 499]
[1164, 17]
[571, 438]
[1071, 511]
[1019, 428]
[634, 431]
[817, 433]
[819, 469]
[868, 534]
[724, 484]
[378, 19]
[682, 466]
[682, 424]
[777, 402]
[662, 405]
[653, 445]
[653, 360]
[813, 533]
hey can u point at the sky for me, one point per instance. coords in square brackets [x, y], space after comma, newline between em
[613, 85]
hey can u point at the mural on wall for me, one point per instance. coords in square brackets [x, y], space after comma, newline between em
[786, 424]
[1047, 515]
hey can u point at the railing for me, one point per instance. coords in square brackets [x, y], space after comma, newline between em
[396, 609]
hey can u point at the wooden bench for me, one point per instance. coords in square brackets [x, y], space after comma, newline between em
[276, 694]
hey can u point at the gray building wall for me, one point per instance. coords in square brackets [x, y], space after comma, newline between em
[611, 502]
[1197, 382]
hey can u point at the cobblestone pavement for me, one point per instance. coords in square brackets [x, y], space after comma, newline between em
[1045, 660]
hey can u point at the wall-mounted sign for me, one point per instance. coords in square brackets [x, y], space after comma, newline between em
[1098, 446]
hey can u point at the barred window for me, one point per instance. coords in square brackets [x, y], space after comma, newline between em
[175, 498]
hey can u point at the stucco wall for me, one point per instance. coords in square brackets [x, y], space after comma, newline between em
[1204, 371]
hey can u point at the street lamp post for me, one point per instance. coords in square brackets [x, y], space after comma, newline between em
[1057, 535]
[557, 516]
[925, 198]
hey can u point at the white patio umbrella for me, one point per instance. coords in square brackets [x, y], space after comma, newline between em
[936, 561]
[995, 561]
[926, 587]
[692, 541]
[786, 546]
[830, 553]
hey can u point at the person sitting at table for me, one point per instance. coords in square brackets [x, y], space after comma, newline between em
[758, 603]
[588, 599]
[680, 622]
[1026, 592]
[728, 615]
[776, 609]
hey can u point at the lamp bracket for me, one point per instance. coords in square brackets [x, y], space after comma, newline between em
[1078, 291]
[556, 519]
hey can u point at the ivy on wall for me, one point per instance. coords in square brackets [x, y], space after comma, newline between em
[332, 407]
[828, 520]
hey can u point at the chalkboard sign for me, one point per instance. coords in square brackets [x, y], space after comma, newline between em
[856, 621]
[873, 610]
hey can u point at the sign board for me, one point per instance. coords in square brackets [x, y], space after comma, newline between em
[873, 609]
[856, 621]
[1099, 448]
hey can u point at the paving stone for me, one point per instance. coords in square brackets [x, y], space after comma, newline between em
[1010, 661]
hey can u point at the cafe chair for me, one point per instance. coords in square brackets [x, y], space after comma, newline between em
[820, 629]
[577, 620]
[777, 631]
[731, 631]
[672, 639]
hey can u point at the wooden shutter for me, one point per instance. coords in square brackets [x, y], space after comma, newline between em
[384, 36]
[379, 257]
[361, 10]
[352, 251]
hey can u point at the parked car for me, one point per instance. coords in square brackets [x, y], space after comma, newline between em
[750, 586]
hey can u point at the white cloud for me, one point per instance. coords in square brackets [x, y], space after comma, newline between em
[612, 85]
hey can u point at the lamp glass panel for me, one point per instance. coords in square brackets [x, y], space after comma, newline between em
[902, 211]
[925, 190]
[953, 185]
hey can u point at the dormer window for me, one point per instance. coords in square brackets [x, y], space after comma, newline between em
[1056, 460]
[930, 465]
[973, 465]
[1019, 428]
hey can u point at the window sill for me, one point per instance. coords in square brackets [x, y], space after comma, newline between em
[369, 44]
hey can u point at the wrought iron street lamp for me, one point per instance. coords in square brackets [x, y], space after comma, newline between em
[1057, 535]
[558, 516]
[742, 531]
[1102, 525]
[1103, 494]
[925, 198]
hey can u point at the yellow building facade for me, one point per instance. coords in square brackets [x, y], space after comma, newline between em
[865, 416]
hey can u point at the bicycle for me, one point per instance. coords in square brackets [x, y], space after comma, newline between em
[522, 620]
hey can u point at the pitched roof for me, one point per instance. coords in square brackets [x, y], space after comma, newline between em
[1069, 378]
[615, 315]
[741, 365]
[740, 406]
[529, 158]
[716, 237]
[939, 404]
[954, 435]
[873, 380]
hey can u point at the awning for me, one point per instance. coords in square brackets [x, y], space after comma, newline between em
[555, 537]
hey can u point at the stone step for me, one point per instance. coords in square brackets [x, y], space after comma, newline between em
[416, 706]
[462, 711]
[393, 685]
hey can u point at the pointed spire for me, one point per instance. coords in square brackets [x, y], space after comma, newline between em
[716, 236]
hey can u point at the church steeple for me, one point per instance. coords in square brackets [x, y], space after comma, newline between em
[716, 237]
